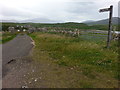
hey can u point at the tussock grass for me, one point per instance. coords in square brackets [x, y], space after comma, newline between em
[96, 62]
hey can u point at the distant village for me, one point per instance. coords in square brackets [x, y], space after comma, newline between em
[31, 29]
[25, 28]
[21, 28]
[66, 31]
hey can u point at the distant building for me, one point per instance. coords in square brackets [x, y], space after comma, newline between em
[18, 30]
[11, 29]
[42, 29]
[24, 30]
[27, 26]
[17, 25]
[31, 29]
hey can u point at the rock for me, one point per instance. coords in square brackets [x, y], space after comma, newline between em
[24, 87]
[63, 56]
[35, 80]
[33, 70]
[29, 82]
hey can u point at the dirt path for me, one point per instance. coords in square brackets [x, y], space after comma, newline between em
[13, 53]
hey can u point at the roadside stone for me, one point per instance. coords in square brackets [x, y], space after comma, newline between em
[33, 70]
[29, 82]
[24, 87]
[63, 56]
[36, 80]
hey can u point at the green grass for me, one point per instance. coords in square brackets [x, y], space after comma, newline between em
[96, 62]
[8, 36]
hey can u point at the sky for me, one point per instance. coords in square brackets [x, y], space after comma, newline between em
[56, 10]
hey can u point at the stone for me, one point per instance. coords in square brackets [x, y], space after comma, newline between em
[35, 80]
[24, 87]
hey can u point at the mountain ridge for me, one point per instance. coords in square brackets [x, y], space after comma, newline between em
[115, 20]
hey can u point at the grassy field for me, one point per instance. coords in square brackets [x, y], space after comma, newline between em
[7, 36]
[91, 64]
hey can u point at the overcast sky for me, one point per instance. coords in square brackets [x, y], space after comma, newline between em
[56, 10]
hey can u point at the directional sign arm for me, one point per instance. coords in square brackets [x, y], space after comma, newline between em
[104, 10]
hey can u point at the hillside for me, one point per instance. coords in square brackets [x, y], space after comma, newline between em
[115, 20]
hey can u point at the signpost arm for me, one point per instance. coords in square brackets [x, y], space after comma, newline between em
[110, 27]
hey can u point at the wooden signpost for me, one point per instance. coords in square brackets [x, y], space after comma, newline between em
[110, 23]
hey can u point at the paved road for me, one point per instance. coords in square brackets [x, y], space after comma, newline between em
[0, 66]
[16, 48]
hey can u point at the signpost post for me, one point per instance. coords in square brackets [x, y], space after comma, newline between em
[110, 23]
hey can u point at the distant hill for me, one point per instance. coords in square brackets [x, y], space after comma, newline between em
[39, 20]
[46, 20]
[88, 21]
[9, 21]
[34, 20]
[115, 20]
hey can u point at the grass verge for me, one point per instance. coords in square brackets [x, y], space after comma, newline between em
[7, 37]
[96, 65]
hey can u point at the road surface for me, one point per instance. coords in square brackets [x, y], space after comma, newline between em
[0, 66]
[16, 48]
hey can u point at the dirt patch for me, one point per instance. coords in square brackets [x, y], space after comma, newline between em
[28, 73]
[45, 74]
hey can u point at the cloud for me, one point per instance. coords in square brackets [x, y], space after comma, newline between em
[19, 13]
[119, 9]
[56, 10]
